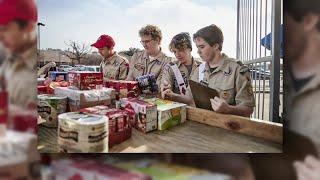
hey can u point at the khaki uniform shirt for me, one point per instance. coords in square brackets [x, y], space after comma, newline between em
[169, 77]
[231, 80]
[115, 68]
[140, 64]
[304, 110]
[18, 76]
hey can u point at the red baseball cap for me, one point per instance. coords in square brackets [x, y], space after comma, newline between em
[17, 9]
[104, 41]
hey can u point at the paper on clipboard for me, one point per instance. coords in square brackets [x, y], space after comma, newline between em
[202, 95]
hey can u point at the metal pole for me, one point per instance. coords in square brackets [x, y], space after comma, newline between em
[238, 25]
[275, 65]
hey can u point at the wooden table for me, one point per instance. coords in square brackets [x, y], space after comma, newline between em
[190, 137]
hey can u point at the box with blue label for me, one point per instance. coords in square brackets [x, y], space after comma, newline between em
[58, 76]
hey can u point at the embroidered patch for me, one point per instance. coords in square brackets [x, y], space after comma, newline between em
[227, 72]
[139, 66]
[249, 90]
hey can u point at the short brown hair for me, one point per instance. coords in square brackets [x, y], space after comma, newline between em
[181, 41]
[211, 34]
[151, 30]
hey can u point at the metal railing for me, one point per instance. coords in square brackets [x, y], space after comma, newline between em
[255, 20]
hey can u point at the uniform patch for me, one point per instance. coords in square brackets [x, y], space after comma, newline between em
[139, 66]
[225, 95]
[250, 90]
[227, 72]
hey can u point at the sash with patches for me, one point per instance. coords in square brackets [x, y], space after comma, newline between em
[179, 78]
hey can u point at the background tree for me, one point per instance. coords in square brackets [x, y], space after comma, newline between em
[76, 51]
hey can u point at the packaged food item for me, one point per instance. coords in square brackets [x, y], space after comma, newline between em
[124, 89]
[82, 133]
[50, 106]
[119, 123]
[148, 84]
[145, 113]
[83, 80]
[58, 76]
[78, 99]
[169, 113]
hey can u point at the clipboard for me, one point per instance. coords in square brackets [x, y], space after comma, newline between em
[202, 95]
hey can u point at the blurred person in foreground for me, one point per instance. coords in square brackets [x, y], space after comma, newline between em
[303, 57]
[18, 20]
[302, 91]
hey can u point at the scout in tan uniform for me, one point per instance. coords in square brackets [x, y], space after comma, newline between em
[151, 60]
[113, 66]
[174, 82]
[229, 78]
[18, 72]
[303, 59]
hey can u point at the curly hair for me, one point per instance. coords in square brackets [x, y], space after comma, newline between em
[151, 30]
[180, 41]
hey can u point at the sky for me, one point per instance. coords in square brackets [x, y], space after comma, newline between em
[84, 21]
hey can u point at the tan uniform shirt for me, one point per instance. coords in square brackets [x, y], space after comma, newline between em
[115, 68]
[140, 64]
[169, 77]
[18, 76]
[304, 110]
[231, 80]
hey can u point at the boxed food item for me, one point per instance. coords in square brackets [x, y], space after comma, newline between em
[145, 113]
[82, 80]
[169, 113]
[78, 99]
[158, 170]
[119, 124]
[58, 76]
[124, 89]
[50, 106]
[66, 169]
[148, 84]
[82, 133]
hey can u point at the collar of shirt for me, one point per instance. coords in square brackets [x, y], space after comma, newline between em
[222, 67]
[313, 84]
[111, 59]
[158, 57]
[29, 57]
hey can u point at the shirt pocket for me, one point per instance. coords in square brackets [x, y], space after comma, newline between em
[227, 92]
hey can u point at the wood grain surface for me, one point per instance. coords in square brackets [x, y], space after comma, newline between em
[190, 137]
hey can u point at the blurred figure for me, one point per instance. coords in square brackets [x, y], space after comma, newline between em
[113, 66]
[303, 57]
[302, 90]
[17, 73]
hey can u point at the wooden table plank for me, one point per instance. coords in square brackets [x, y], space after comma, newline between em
[190, 137]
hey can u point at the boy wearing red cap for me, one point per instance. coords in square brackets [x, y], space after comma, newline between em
[113, 66]
[17, 73]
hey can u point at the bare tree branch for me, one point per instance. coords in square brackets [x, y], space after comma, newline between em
[76, 51]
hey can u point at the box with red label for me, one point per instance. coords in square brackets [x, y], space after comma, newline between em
[85, 80]
[124, 89]
[146, 113]
[119, 123]
[78, 99]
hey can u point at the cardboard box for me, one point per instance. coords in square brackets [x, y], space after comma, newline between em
[120, 128]
[78, 99]
[124, 89]
[82, 80]
[92, 170]
[58, 76]
[169, 113]
[146, 113]
[3, 109]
